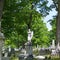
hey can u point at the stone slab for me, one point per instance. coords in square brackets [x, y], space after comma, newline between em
[5, 58]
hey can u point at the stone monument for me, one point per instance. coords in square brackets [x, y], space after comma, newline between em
[53, 48]
[58, 46]
[53, 44]
[28, 45]
[58, 49]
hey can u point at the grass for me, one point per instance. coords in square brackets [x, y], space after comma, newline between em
[14, 58]
[49, 57]
[55, 59]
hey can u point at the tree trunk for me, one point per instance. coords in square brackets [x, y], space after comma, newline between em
[30, 21]
[1, 8]
[58, 23]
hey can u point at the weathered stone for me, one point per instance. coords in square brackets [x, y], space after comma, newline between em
[5, 58]
[28, 47]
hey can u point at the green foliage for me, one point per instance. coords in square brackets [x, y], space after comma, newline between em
[53, 31]
[16, 16]
[41, 36]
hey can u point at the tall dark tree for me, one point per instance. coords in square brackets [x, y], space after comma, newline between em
[57, 6]
[58, 23]
[53, 31]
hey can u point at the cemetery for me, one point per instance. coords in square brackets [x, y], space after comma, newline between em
[27, 52]
[24, 34]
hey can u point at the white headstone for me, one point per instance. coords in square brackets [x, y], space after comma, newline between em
[53, 52]
[53, 44]
[53, 48]
[58, 46]
[9, 48]
[6, 54]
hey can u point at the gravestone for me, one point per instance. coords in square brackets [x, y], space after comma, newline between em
[42, 51]
[5, 58]
[28, 46]
[58, 49]
[53, 44]
[58, 46]
[53, 52]
[7, 53]
[53, 48]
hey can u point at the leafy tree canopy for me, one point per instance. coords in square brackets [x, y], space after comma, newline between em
[16, 17]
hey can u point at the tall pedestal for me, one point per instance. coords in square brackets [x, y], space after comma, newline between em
[28, 47]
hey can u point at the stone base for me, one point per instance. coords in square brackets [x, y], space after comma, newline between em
[25, 57]
[29, 57]
[5, 58]
[28, 47]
